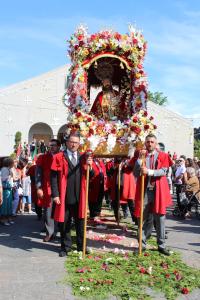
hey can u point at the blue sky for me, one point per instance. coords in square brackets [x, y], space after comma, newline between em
[33, 38]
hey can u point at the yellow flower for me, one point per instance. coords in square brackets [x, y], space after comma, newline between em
[120, 133]
[81, 78]
[143, 120]
[86, 52]
[137, 75]
[124, 37]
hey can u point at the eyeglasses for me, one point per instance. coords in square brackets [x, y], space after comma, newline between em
[75, 143]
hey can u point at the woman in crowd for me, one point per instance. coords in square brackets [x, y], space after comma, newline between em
[16, 184]
[192, 186]
[7, 184]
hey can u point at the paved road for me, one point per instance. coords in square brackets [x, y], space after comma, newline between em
[29, 268]
[32, 270]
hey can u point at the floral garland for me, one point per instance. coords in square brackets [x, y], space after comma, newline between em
[97, 131]
[83, 47]
[130, 49]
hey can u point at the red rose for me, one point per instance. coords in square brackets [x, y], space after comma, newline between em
[78, 114]
[89, 119]
[80, 37]
[117, 36]
[142, 270]
[151, 118]
[135, 41]
[76, 47]
[139, 66]
[146, 127]
[135, 129]
[154, 126]
[167, 275]
[114, 131]
[145, 113]
[91, 131]
[135, 119]
[185, 290]
[81, 43]
[93, 37]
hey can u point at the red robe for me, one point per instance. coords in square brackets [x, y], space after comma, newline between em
[121, 109]
[94, 186]
[127, 190]
[60, 165]
[44, 162]
[162, 195]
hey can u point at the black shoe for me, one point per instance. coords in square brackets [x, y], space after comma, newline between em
[62, 253]
[164, 251]
[68, 250]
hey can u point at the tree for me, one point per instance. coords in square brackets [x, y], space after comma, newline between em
[18, 140]
[157, 98]
[197, 147]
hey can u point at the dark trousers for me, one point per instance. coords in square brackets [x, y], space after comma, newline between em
[130, 205]
[65, 228]
[95, 207]
[178, 191]
[149, 217]
[38, 210]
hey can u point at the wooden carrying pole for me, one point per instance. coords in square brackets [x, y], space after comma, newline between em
[86, 209]
[141, 209]
[118, 193]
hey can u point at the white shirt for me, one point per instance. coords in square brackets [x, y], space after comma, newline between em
[72, 153]
[26, 185]
[180, 171]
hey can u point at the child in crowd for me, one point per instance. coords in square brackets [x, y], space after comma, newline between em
[26, 186]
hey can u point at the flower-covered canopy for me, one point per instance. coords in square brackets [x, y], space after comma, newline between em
[123, 55]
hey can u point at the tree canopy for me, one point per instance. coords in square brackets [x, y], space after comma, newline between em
[158, 98]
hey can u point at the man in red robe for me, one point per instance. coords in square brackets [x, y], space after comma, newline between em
[68, 184]
[97, 186]
[127, 188]
[42, 181]
[157, 194]
[108, 105]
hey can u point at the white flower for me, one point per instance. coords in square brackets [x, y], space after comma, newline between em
[87, 288]
[82, 125]
[94, 141]
[111, 141]
[82, 288]
[109, 259]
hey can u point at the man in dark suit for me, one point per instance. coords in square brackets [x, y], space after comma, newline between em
[68, 183]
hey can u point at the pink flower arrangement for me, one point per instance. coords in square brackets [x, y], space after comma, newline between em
[95, 131]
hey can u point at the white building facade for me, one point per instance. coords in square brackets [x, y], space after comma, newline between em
[36, 109]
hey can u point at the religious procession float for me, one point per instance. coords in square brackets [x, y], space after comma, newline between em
[106, 93]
